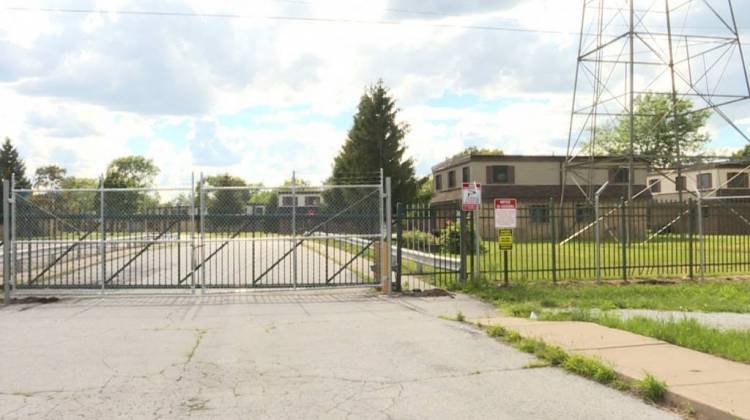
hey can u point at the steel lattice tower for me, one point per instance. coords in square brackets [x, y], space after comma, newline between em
[686, 49]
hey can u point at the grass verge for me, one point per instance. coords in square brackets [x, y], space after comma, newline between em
[689, 333]
[709, 296]
[649, 388]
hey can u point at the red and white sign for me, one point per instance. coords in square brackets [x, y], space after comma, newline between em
[505, 213]
[471, 196]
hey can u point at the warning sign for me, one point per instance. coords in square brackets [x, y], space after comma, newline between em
[505, 239]
[472, 196]
[505, 213]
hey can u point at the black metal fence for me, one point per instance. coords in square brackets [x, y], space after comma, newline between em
[638, 240]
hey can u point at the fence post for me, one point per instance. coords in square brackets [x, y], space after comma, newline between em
[399, 243]
[192, 234]
[462, 244]
[701, 238]
[388, 235]
[294, 228]
[553, 239]
[7, 194]
[202, 221]
[102, 232]
[623, 240]
[691, 220]
[477, 242]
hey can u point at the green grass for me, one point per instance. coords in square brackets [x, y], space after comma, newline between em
[649, 387]
[664, 256]
[689, 333]
[708, 296]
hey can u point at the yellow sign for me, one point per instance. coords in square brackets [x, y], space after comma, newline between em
[505, 238]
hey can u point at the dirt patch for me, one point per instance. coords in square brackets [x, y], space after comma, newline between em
[428, 293]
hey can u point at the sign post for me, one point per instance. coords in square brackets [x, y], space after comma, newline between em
[505, 222]
[471, 200]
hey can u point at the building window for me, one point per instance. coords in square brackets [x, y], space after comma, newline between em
[452, 179]
[654, 185]
[704, 181]
[584, 213]
[619, 176]
[679, 183]
[312, 201]
[287, 201]
[438, 182]
[539, 214]
[465, 174]
[500, 174]
[737, 180]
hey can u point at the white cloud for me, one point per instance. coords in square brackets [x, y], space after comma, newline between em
[82, 89]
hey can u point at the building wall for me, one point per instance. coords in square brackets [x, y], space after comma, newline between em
[719, 177]
[541, 176]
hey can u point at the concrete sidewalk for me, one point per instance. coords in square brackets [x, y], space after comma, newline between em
[714, 387]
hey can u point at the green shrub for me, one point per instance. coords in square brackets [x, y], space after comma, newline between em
[449, 239]
[419, 240]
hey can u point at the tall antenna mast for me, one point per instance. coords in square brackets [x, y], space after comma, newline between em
[682, 51]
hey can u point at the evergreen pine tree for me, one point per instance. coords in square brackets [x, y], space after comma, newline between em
[376, 141]
[12, 164]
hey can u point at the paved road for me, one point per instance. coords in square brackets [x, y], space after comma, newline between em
[309, 354]
[234, 263]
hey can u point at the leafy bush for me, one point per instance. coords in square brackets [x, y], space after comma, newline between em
[419, 240]
[450, 239]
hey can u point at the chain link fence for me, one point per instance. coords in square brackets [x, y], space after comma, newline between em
[215, 237]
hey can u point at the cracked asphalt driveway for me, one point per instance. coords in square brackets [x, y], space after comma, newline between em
[307, 354]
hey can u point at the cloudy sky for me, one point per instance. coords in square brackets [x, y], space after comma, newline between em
[259, 88]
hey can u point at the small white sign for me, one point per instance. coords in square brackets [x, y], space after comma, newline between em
[471, 196]
[505, 213]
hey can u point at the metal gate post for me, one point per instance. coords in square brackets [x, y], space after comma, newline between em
[701, 237]
[202, 221]
[462, 244]
[13, 233]
[690, 227]
[192, 233]
[294, 228]
[477, 243]
[102, 246]
[553, 239]
[399, 242]
[623, 240]
[6, 241]
[388, 215]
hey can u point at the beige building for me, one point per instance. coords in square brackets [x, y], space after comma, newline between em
[720, 179]
[537, 181]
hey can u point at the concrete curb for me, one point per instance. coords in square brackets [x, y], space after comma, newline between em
[714, 388]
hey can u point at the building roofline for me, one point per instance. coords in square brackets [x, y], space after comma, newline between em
[457, 161]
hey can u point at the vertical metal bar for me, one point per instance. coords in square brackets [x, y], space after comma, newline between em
[701, 237]
[192, 234]
[7, 194]
[553, 238]
[13, 232]
[462, 244]
[294, 228]
[102, 249]
[477, 242]
[388, 227]
[623, 241]
[505, 267]
[399, 243]
[691, 221]
[597, 241]
[202, 235]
